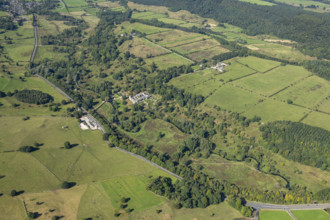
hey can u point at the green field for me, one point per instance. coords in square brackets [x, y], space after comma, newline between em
[11, 208]
[127, 27]
[318, 119]
[196, 46]
[311, 214]
[141, 47]
[147, 15]
[258, 2]
[175, 38]
[168, 60]
[239, 173]
[308, 92]
[271, 110]
[189, 80]
[234, 71]
[274, 80]
[149, 135]
[274, 215]
[134, 188]
[258, 64]
[233, 98]
[325, 106]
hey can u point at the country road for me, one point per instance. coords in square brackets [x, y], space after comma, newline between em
[85, 111]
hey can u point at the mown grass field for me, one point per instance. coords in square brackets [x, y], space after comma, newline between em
[273, 81]
[271, 110]
[149, 135]
[308, 92]
[168, 60]
[258, 64]
[233, 98]
[318, 119]
[311, 214]
[274, 215]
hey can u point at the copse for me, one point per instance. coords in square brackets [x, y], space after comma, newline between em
[33, 97]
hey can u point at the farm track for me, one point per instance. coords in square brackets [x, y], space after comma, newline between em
[85, 111]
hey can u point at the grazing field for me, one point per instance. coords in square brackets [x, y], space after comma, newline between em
[325, 106]
[233, 98]
[274, 80]
[274, 215]
[189, 80]
[207, 53]
[234, 71]
[258, 2]
[206, 88]
[168, 60]
[258, 64]
[95, 203]
[149, 135]
[271, 110]
[12, 208]
[308, 92]
[141, 47]
[147, 15]
[171, 21]
[279, 51]
[311, 214]
[239, 173]
[63, 202]
[196, 46]
[127, 28]
[175, 38]
[134, 188]
[318, 119]
[305, 3]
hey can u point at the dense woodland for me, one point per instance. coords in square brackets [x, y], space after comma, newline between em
[299, 142]
[310, 30]
[33, 97]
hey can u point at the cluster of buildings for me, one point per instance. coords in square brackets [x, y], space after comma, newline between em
[88, 123]
[220, 67]
[138, 97]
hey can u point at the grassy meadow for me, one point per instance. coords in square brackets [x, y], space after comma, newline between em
[274, 215]
[311, 214]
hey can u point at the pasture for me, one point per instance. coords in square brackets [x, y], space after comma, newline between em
[234, 71]
[239, 173]
[196, 46]
[134, 188]
[147, 15]
[206, 88]
[12, 208]
[274, 215]
[273, 81]
[280, 51]
[233, 99]
[189, 80]
[141, 47]
[308, 92]
[258, 64]
[311, 214]
[127, 28]
[258, 2]
[168, 60]
[271, 110]
[318, 119]
[149, 135]
[175, 38]
[325, 106]
[207, 53]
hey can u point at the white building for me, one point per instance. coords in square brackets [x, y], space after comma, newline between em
[138, 97]
[88, 123]
[220, 67]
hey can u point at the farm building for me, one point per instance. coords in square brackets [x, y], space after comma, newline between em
[220, 67]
